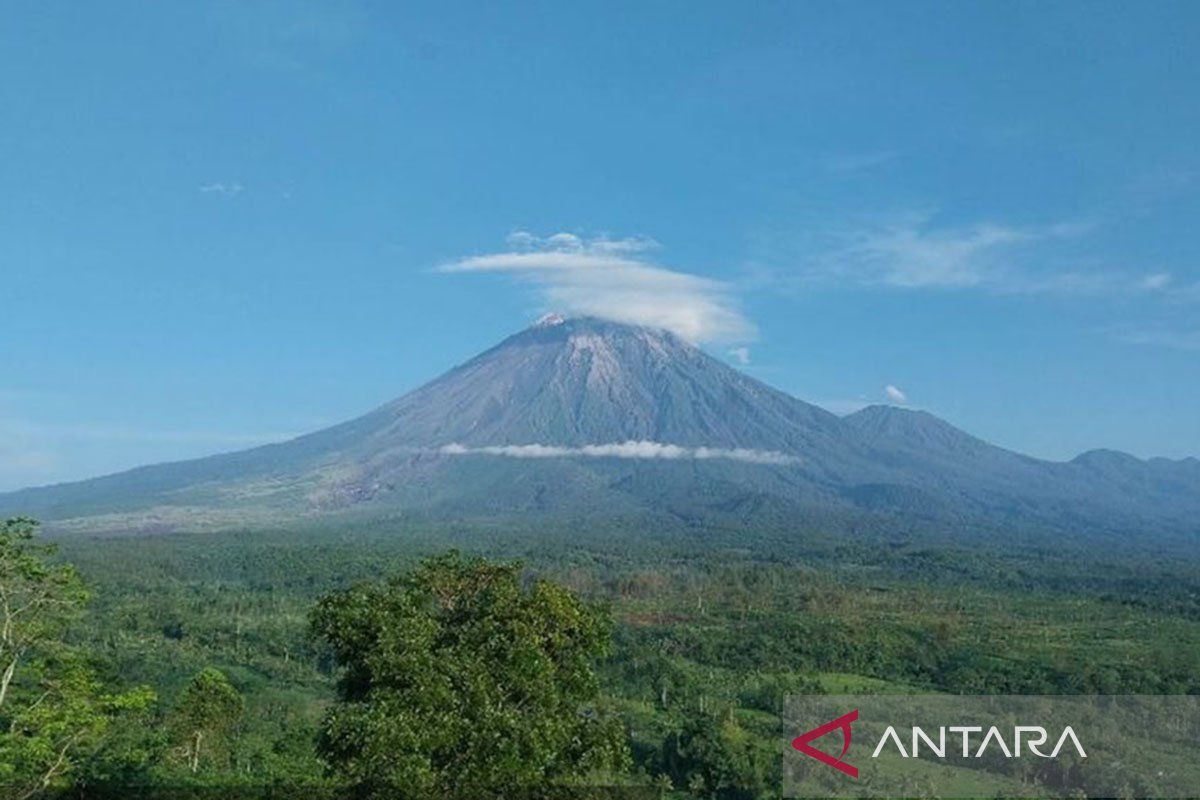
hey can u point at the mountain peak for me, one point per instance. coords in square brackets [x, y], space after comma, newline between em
[879, 424]
[587, 332]
[579, 381]
[589, 415]
[584, 322]
[1106, 457]
[880, 417]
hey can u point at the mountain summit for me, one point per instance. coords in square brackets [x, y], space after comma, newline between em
[588, 381]
[586, 418]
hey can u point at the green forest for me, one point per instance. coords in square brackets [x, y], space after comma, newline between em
[397, 659]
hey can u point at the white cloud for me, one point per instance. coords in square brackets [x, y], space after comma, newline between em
[915, 250]
[612, 278]
[895, 394]
[858, 162]
[226, 189]
[740, 354]
[630, 449]
[1159, 280]
[910, 251]
[1173, 338]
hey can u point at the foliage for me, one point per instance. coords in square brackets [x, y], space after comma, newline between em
[461, 679]
[37, 599]
[714, 757]
[54, 712]
[708, 626]
[206, 713]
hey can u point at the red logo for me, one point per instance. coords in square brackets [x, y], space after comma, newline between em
[843, 723]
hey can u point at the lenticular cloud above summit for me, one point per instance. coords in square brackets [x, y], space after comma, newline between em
[630, 449]
[614, 279]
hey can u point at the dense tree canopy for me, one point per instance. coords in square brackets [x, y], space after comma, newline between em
[463, 679]
[707, 642]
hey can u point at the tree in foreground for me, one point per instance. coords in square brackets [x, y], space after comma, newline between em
[54, 712]
[461, 679]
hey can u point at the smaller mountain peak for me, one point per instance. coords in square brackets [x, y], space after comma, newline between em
[550, 320]
[912, 424]
[1105, 457]
[892, 413]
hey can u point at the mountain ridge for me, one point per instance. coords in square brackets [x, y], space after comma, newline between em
[582, 415]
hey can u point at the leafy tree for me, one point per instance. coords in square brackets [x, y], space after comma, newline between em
[461, 679]
[53, 711]
[207, 712]
[714, 757]
[37, 599]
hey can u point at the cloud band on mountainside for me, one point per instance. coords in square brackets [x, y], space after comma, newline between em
[614, 279]
[631, 449]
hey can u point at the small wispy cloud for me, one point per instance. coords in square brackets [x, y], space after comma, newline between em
[630, 449]
[911, 251]
[615, 278]
[895, 394]
[1158, 280]
[1177, 293]
[740, 354]
[859, 162]
[1173, 338]
[222, 188]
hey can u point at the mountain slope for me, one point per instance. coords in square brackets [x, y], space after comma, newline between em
[1100, 488]
[588, 418]
[570, 383]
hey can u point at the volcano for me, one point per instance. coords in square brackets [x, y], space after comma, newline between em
[590, 419]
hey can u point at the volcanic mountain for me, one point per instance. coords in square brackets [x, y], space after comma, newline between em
[590, 419]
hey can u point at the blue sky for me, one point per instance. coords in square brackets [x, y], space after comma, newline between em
[222, 224]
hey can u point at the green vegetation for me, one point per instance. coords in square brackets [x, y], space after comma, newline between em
[55, 714]
[207, 712]
[457, 681]
[262, 641]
